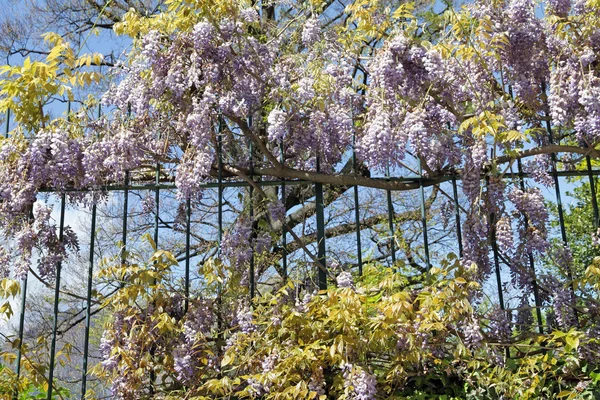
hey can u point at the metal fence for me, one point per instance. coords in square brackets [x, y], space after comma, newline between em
[157, 189]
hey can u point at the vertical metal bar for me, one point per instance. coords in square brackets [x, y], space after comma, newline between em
[457, 216]
[391, 213]
[125, 208]
[125, 217]
[21, 322]
[156, 229]
[7, 127]
[253, 233]
[21, 329]
[322, 273]
[356, 209]
[593, 192]
[220, 189]
[23, 293]
[86, 341]
[188, 223]
[156, 204]
[496, 255]
[61, 230]
[283, 225]
[88, 315]
[561, 218]
[424, 217]
[536, 292]
[219, 308]
[497, 263]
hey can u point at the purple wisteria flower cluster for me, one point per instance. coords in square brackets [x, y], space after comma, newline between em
[213, 87]
[359, 384]
[307, 98]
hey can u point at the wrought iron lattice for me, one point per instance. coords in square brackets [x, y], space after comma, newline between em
[158, 187]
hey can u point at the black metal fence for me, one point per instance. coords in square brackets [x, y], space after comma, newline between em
[357, 228]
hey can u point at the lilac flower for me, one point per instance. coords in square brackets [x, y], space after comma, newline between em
[306, 91]
[148, 204]
[277, 125]
[262, 243]
[472, 334]
[344, 280]
[257, 388]
[479, 154]
[524, 318]
[504, 234]
[184, 368]
[151, 45]
[531, 203]
[4, 263]
[269, 362]
[500, 324]
[249, 15]
[202, 35]
[301, 306]
[563, 257]
[359, 384]
[539, 169]
[559, 8]
[311, 31]
[180, 220]
[562, 301]
[236, 245]
[244, 320]
[276, 211]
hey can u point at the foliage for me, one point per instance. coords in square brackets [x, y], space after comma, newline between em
[215, 90]
[27, 88]
[375, 338]
[579, 225]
